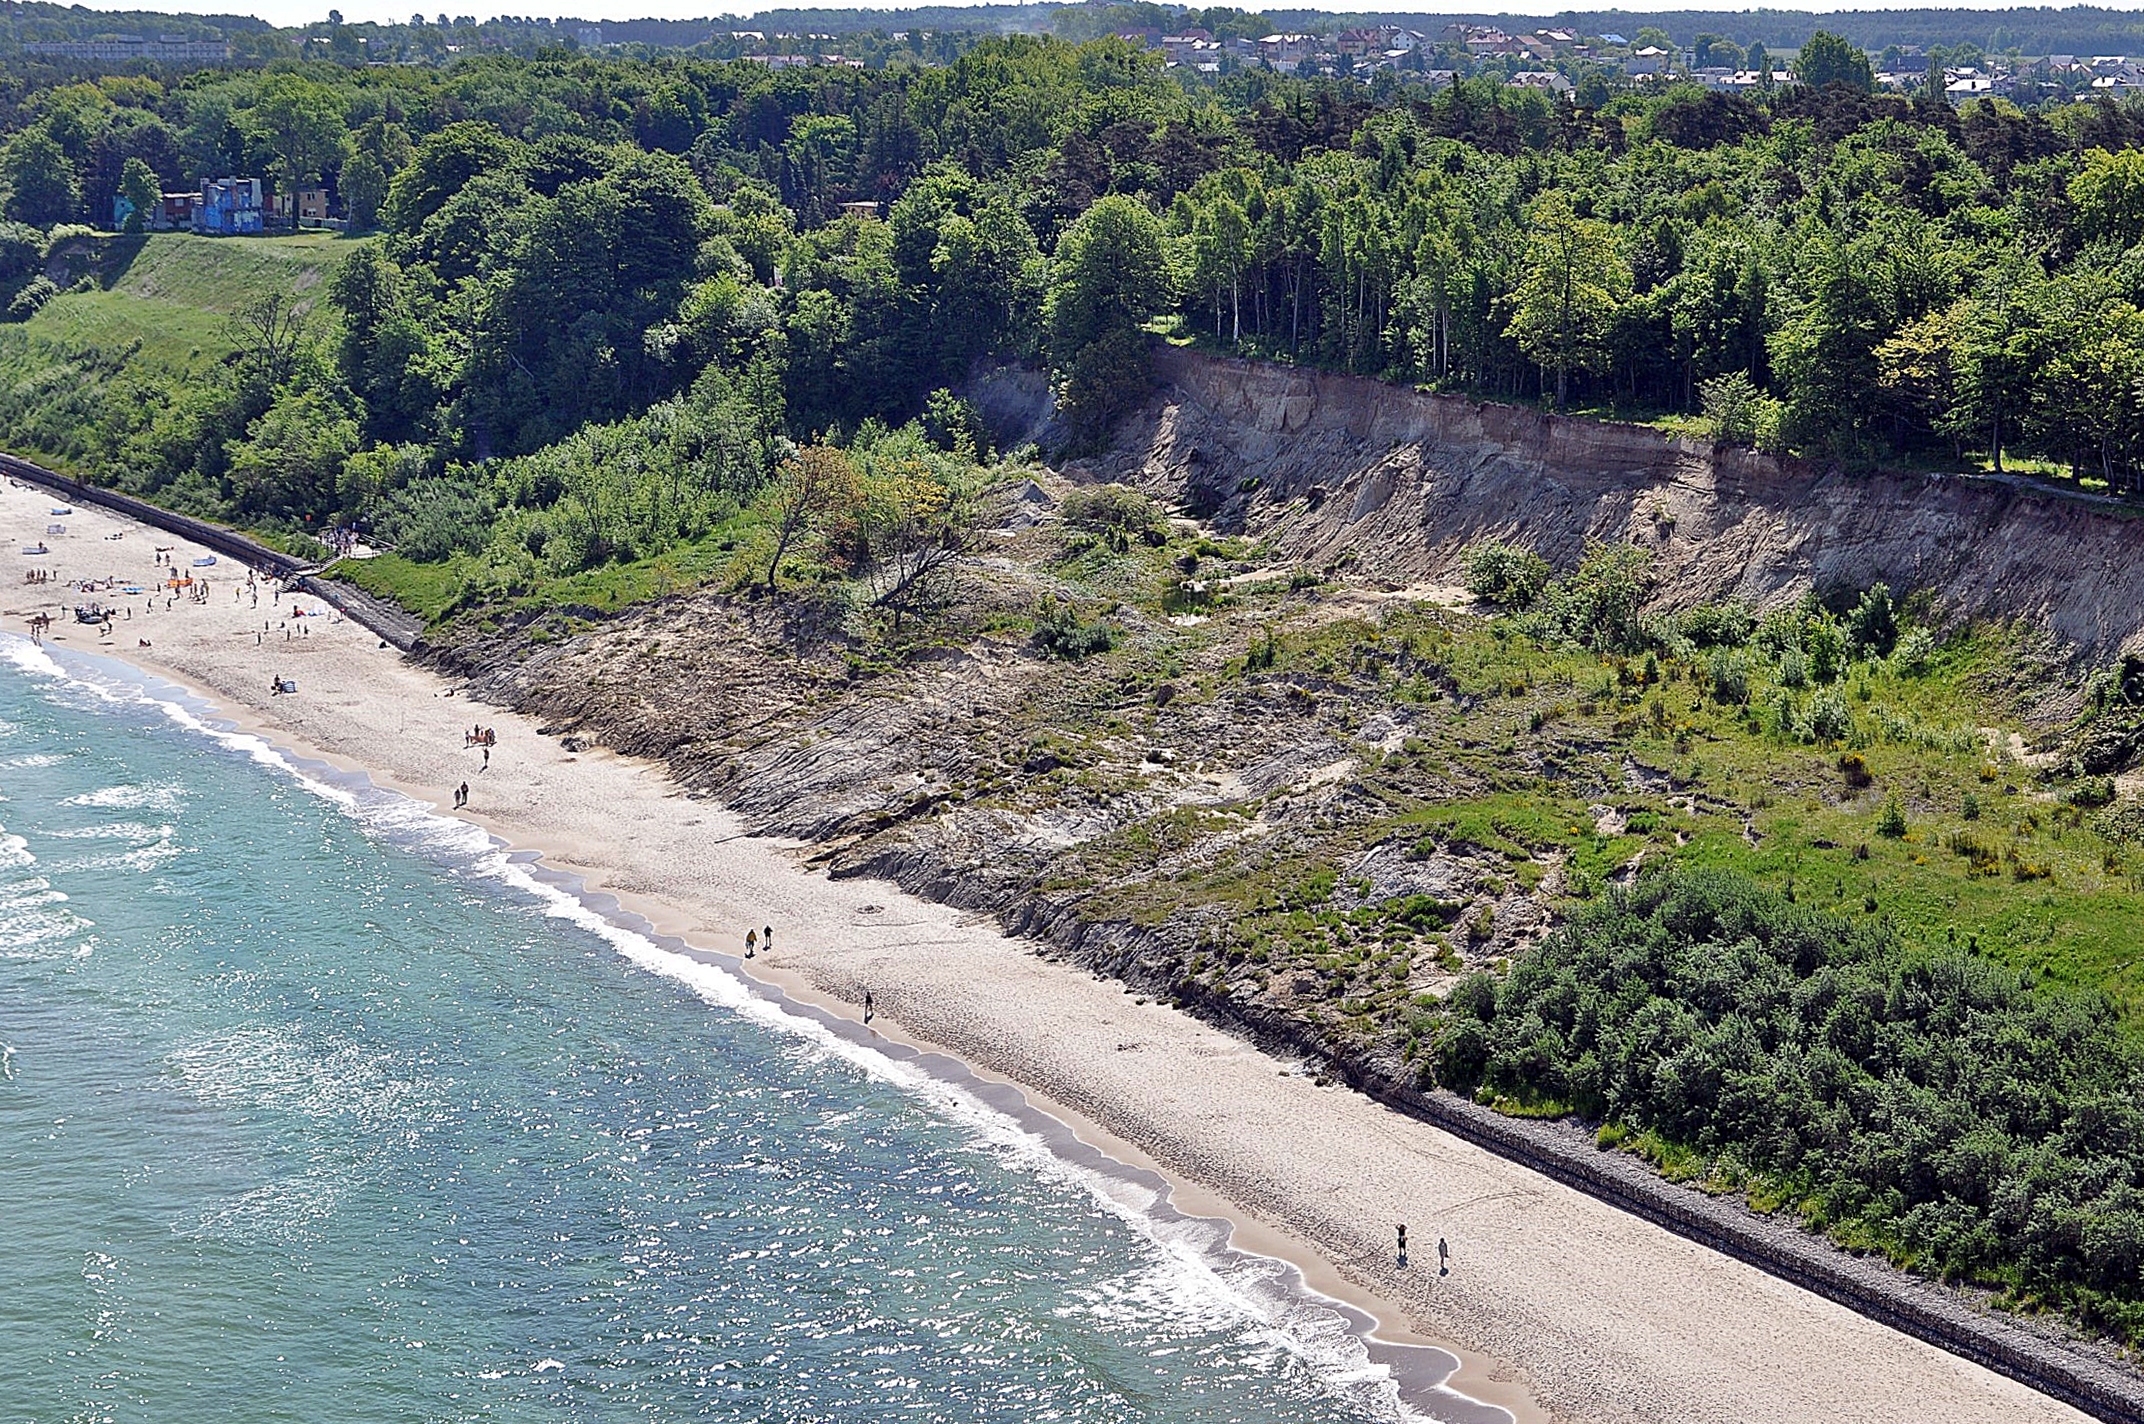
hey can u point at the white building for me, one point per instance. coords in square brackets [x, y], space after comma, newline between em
[168, 49]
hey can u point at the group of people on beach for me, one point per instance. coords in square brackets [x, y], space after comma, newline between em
[484, 738]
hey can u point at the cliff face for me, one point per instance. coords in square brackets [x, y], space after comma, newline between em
[1329, 466]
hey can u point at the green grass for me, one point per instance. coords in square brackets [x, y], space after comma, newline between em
[437, 591]
[175, 294]
[430, 591]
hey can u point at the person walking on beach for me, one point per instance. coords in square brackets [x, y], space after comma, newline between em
[868, 1009]
[1444, 1256]
[766, 939]
[463, 794]
[751, 943]
[1403, 1243]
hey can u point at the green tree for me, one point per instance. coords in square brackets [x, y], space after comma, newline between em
[2109, 194]
[1574, 280]
[1221, 242]
[2087, 363]
[138, 185]
[364, 188]
[988, 270]
[290, 464]
[1827, 357]
[382, 351]
[40, 183]
[1990, 359]
[1828, 59]
[1110, 275]
[300, 123]
[439, 168]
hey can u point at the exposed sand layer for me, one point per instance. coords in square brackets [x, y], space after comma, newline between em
[1561, 1305]
[1400, 483]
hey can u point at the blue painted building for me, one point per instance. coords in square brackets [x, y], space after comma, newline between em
[229, 207]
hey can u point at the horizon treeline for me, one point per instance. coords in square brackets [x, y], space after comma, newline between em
[571, 242]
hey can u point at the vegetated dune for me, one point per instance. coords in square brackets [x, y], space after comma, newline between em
[1335, 467]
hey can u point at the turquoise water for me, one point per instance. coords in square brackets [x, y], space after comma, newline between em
[314, 1106]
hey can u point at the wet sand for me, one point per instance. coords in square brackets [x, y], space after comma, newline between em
[1558, 1306]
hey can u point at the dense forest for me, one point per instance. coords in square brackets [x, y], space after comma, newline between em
[574, 242]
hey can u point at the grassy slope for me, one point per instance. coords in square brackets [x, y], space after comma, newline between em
[161, 311]
[177, 292]
[435, 591]
[1516, 748]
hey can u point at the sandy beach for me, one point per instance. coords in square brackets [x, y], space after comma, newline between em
[1560, 1307]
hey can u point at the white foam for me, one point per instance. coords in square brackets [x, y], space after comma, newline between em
[33, 919]
[14, 852]
[166, 798]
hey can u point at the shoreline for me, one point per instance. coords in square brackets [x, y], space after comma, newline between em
[1450, 1384]
[1561, 1305]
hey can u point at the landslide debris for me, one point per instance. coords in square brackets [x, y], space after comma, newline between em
[1235, 788]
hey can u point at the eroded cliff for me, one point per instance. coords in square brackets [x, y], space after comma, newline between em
[1399, 483]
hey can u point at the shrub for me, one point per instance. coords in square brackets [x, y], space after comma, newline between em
[954, 423]
[1872, 628]
[1718, 625]
[1730, 677]
[1506, 574]
[1794, 668]
[1771, 422]
[1733, 1028]
[1855, 771]
[1829, 719]
[1981, 858]
[1422, 913]
[1600, 603]
[64, 233]
[34, 294]
[1826, 649]
[1891, 821]
[1730, 404]
[432, 518]
[1062, 633]
[2092, 791]
[1107, 508]
[1915, 647]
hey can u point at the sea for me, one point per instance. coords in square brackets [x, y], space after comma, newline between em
[318, 1106]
